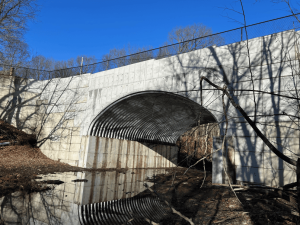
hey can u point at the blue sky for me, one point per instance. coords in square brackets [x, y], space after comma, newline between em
[67, 28]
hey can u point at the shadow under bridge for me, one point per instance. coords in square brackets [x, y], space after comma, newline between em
[154, 119]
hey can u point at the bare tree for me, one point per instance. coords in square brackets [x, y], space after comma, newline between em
[139, 54]
[14, 53]
[72, 67]
[193, 37]
[115, 58]
[88, 64]
[164, 51]
[40, 67]
[292, 8]
[14, 15]
[125, 56]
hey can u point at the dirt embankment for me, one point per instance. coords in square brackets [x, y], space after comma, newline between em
[9, 133]
[217, 204]
[21, 162]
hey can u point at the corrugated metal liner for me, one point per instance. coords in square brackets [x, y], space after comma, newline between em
[151, 117]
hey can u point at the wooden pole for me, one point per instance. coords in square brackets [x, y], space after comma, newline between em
[81, 65]
[11, 71]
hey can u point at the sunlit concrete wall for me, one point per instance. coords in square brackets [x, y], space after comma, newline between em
[17, 103]
[47, 109]
[115, 153]
[65, 100]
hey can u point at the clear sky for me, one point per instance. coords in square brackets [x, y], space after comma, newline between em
[68, 28]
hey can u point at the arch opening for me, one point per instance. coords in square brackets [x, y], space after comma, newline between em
[156, 117]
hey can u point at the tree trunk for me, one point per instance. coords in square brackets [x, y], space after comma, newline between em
[298, 184]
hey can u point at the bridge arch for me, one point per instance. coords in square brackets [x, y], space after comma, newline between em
[150, 116]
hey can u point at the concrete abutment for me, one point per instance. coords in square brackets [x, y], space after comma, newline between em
[117, 153]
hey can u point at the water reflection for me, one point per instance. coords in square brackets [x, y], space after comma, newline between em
[135, 210]
[109, 197]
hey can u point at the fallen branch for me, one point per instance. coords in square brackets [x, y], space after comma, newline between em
[233, 185]
[51, 182]
[206, 140]
[202, 159]
[80, 180]
[273, 193]
[249, 187]
[146, 219]
[172, 208]
[228, 218]
[291, 185]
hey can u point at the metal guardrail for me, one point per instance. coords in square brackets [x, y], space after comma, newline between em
[218, 39]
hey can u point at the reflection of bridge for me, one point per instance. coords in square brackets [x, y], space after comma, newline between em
[131, 116]
[135, 210]
[108, 197]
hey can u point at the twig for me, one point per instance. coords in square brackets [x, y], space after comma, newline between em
[149, 221]
[202, 159]
[128, 221]
[249, 61]
[228, 218]
[185, 142]
[233, 185]
[292, 11]
[172, 208]
[242, 187]
[206, 143]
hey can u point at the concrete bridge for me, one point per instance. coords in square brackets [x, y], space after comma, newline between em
[131, 116]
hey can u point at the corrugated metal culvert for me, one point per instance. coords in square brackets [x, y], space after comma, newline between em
[152, 117]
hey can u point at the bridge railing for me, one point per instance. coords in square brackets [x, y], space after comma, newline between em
[218, 39]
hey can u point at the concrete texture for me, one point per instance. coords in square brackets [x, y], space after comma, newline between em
[116, 153]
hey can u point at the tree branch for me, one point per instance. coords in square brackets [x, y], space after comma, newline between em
[252, 124]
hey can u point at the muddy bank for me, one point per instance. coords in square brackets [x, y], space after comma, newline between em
[213, 204]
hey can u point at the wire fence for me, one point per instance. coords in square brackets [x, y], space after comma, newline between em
[219, 39]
